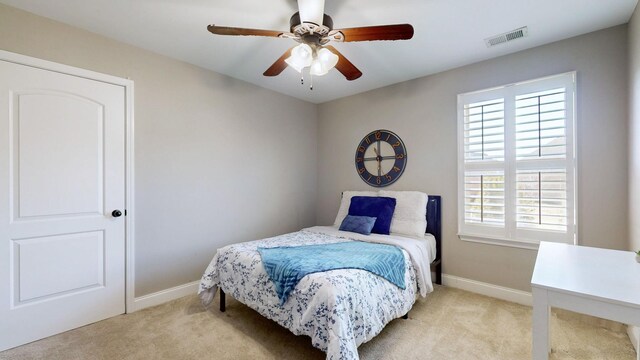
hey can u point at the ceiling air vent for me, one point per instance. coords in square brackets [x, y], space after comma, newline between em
[506, 37]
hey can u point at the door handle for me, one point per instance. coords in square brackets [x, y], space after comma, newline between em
[116, 213]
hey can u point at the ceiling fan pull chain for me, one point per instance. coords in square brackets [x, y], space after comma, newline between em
[311, 77]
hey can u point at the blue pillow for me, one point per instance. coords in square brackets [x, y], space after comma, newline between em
[374, 206]
[358, 224]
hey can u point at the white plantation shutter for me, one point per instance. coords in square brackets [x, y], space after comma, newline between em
[517, 163]
[540, 125]
[484, 130]
[484, 197]
[541, 200]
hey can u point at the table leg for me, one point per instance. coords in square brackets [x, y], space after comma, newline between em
[541, 342]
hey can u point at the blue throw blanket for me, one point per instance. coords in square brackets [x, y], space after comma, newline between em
[286, 266]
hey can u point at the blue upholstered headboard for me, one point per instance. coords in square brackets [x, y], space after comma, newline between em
[434, 227]
[434, 221]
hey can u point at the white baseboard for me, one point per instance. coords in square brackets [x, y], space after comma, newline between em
[495, 291]
[164, 296]
[634, 336]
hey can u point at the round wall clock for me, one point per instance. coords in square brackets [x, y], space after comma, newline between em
[381, 158]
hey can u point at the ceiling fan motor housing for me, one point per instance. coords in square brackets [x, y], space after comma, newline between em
[295, 21]
[311, 33]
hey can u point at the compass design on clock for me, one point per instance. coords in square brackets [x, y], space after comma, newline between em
[381, 158]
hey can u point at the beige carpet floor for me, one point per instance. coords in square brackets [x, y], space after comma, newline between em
[449, 324]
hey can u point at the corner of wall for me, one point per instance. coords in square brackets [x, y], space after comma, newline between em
[634, 147]
[633, 39]
[634, 335]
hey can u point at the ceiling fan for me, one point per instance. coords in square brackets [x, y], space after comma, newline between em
[313, 30]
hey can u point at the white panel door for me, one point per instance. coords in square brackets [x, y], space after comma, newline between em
[62, 174]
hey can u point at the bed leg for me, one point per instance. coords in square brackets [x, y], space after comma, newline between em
[406, 316]
[439, 274]
[222, 301]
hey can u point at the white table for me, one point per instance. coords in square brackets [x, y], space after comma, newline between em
[598, 282]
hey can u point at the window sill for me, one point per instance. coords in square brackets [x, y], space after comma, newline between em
[521, 244]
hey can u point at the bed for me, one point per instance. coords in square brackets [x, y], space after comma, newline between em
[338, 309]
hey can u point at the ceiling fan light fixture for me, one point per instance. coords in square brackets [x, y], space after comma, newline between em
[301, 57]
[317, 69]
[311, 11]
[325, 61]
[328, 58]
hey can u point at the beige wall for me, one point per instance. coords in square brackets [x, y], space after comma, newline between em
[423, 113]
[209, 147]
[217, 160]
[634, 131]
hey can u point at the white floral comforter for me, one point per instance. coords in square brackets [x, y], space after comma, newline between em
[338, 309]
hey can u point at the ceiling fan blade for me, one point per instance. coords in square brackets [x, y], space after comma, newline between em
[279, 65]
[373, 33]
[225, 30]
[345, 66]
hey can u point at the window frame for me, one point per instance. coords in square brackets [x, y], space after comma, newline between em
[510, 234]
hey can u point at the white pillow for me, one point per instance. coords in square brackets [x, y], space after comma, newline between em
[409, 217]
[346, 202]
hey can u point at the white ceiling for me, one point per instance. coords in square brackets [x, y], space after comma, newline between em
[448, 33]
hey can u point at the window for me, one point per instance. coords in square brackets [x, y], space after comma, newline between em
[516, 178]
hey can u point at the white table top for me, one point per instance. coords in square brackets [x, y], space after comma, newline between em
[607, 275]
